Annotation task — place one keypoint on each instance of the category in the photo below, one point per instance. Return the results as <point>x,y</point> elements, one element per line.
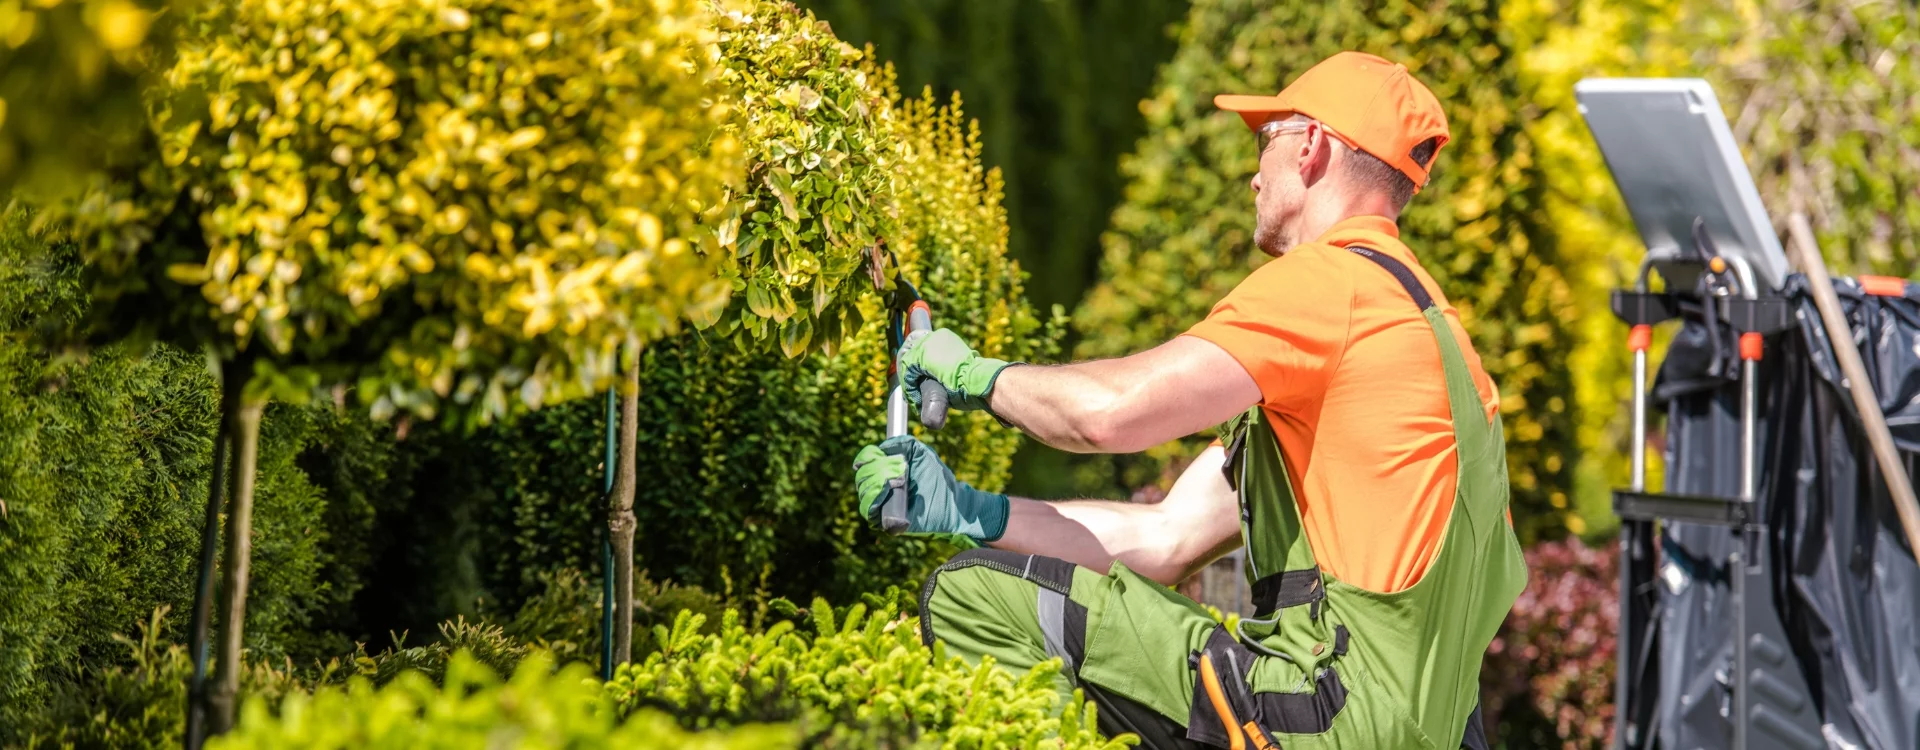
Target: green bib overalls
<point>1321,664</point>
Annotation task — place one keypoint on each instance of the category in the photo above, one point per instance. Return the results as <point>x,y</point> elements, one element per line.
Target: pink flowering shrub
<point>1548,677</point>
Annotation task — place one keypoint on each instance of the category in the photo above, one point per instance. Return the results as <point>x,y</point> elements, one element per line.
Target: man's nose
<point>1255,182</point>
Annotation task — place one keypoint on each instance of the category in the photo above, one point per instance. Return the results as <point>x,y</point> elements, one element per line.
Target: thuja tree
<point>1184,236</point>
<point>464,208</point>
<point>102,460</point>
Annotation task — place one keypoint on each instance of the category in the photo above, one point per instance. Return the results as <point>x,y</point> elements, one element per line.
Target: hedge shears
<point>907,313</point>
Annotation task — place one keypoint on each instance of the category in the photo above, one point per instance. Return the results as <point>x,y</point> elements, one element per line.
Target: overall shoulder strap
<point>1462,397</point>
<point>1482,458</point>
<point>1421,299</point>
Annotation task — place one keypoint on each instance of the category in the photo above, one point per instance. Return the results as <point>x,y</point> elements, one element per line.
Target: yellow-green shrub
<point>819,189</point>
<point>464,205</point>
<point>856,680</point>
<point>536,707</point>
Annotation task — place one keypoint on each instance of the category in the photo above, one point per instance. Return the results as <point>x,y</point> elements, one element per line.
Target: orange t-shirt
<point>1351,377</point>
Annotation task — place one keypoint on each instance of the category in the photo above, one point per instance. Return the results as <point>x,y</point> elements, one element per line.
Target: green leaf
<point>761,300</point>
<point>779,180</point>
<point>795,334</point>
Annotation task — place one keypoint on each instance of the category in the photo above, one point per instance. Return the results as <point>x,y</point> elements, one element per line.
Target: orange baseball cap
<point>1369,103</point>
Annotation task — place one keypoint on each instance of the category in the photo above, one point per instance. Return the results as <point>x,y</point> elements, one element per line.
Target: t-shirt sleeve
<point>1287,324</point>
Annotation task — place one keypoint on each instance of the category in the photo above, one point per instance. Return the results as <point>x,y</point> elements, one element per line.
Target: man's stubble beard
<point>1270,233</point>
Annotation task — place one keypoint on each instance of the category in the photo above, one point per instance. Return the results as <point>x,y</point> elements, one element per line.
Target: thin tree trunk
<point>245,433</point>
<point>196,733</point>
<point>620,520</point>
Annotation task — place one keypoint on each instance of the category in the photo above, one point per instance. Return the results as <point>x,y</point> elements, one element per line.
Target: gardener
<point>1361,447</point>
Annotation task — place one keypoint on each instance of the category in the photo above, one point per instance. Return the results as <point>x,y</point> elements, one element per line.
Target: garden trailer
<point>1768,594</point>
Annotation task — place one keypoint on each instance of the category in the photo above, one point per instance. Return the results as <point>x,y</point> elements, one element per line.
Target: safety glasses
<point>1274,129</point>
<point>1266,133</point>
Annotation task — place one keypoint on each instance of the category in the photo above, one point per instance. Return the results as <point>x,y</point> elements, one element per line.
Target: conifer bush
<point>103,462</point>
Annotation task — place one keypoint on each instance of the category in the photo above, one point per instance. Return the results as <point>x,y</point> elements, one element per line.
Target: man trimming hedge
<point>1361,464</point>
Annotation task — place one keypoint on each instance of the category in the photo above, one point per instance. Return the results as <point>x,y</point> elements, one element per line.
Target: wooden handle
<point>1864,401</point>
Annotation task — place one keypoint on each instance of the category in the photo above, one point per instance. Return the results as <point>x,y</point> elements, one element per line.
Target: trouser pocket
<point>1228,712</point>
<point>1138,640</point>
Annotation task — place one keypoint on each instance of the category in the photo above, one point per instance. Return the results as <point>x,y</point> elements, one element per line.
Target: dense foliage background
<point>370,530</point>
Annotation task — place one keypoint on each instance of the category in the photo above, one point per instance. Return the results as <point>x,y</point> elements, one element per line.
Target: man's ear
<point>1316,155</point>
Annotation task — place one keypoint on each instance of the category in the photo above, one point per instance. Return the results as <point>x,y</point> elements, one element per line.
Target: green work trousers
<point>1127,642</point>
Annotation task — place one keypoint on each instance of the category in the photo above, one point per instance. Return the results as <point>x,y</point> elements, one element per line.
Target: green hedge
<point>1184,236</point>
<point>103,472</point>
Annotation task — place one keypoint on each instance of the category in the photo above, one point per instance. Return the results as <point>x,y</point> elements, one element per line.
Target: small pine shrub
<point>482,641</point>
<point>854,681</point>
<point>536,707</point>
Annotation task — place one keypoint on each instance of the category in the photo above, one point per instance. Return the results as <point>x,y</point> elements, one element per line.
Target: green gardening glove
<point>941,355</point>
<point>937,504</point>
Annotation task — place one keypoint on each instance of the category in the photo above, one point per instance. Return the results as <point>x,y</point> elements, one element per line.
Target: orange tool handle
<point>1236,739</point>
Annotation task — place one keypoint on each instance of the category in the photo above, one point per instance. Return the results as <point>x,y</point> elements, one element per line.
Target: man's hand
<point>941,355</point>
<point>936,502</point>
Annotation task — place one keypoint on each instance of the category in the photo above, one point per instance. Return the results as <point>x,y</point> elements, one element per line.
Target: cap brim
<point>1254,110</point>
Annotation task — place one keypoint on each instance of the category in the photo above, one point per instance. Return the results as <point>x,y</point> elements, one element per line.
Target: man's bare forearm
<point>1063,406</point>
<point>1128,404</point>
<point>1166,541</point>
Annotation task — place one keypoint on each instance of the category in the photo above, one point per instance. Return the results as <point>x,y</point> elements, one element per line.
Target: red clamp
<point>1639,338</point>
<point>1750,346</point>
<point>1884,286</point>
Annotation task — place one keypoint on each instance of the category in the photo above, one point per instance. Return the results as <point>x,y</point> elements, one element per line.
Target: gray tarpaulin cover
<point>1834,604</point>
